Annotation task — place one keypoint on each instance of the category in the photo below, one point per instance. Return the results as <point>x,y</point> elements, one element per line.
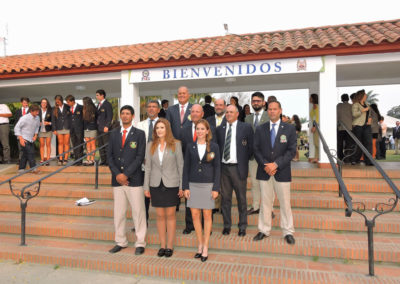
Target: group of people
<point>366,123</point>
<point>70,122</point>
<point>203,160</point>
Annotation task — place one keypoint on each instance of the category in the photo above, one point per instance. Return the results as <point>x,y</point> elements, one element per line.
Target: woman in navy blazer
<point>45,130</point>
<point>201,181</point>
<point>61,125</point>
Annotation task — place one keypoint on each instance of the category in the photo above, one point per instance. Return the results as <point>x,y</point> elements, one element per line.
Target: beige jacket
<point>170,172</point>
<point>359,116</point>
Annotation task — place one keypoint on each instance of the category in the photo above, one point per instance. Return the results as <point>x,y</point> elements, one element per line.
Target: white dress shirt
<point>276,126</point>
<point>201,148</point>
<point>184,108</point>
<point>4,110</point>
<point>43,127</point>
<point>233,154</point>
<point>161,153</point>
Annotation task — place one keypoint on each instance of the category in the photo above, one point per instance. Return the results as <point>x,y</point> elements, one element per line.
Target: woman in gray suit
<point>163,181</point>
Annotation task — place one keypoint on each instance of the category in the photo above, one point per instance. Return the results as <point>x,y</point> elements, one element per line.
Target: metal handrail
<point>360,209</point>
<point>24,195</point>
<point>342,187</point>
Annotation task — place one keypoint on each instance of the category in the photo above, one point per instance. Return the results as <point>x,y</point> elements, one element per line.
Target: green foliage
<point>394,112</point>
<point>371,98</point>
<point>56,267</point>
<point>315,258</point>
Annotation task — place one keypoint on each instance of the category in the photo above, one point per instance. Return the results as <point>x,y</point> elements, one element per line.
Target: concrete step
<point>308,243</point>
<point>221,267</point>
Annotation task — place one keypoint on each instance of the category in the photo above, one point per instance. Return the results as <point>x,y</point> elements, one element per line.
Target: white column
<point>327,105</point>
<point>130,95</point>
<point>169,97</point>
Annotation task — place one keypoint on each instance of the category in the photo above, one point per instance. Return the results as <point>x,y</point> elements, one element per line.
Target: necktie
<point>227,146</point>
<point>98,107</point>
<point>256,120</point>
<point>150,135</point>
<point>23,111</point>
<point>273,135</point>
<point>194,136</point>
<point>219,120</point>
<point>72,110</point>
<point>124,138</point>
<point>182,113</point>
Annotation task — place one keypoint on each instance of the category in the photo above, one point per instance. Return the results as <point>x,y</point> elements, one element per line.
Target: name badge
<point>283,139</point>
<point>133,145</point>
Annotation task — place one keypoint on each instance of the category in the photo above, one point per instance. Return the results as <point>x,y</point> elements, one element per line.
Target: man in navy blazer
<point>126,151</point>
<point>76,132</point>
<point>219,117</point>
<point>104,119</point>
<point>274,148</point>
<point>235,140</point>
<point>179,115</point>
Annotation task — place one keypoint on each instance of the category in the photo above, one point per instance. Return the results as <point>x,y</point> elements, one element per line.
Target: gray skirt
<point>45,134</point>
<point>200,196</point>
<point>90,133</point>
<point>63,131</point>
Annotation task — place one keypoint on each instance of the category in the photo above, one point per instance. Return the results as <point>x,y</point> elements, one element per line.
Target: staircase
<point>330,248</point>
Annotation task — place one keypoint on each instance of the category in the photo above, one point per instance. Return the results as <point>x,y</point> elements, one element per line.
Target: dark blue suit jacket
<point>244,145</point>
<point>127,160</point>
<point>174,118</point>
<point>282,154</point>
<point>104,116</point>
<point>202,171</point>
<point>186,136</point>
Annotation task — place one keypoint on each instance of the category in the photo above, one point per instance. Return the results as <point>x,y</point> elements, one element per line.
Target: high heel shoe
<point>204,258</point>
<point>198,254</point>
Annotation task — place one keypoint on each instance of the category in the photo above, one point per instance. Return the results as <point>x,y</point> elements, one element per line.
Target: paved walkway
<point>30,273</point>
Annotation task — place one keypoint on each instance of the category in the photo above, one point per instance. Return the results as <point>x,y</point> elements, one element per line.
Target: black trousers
<point>382,148</point>
<point>344,143</point>
<point>28,155</point>
<point>230,181</point>
<point>100,142</point>
<point>364,134</point>
<point>76,139</point>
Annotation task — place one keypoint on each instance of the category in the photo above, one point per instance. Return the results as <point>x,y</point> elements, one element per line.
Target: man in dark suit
<point>164,108</point>
<point>126,151</point>
<point>76,132</point>
<point>257,118</point>
<point>219,117</point>
<point>274,147</point>
<point>396,136</point>
<point>235,140</point>
<point>207,108</point>
<point>104,119</point>
<point>23,110</point>
<point>178,115</point>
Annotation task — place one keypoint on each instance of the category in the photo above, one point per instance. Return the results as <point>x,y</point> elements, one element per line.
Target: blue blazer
<point>174,118</point>
<point>282,153</point>
<point>127,160</point>
<point>186,136</point>
<point>202,171</point>
<point>244,145</point>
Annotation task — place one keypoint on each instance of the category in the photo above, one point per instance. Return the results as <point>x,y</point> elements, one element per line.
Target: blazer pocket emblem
<point>102,110</point>
<point>78,112</point>
<point>48,115</point>
<point>283,139</point>
<point>189,117</point>
<point>133,145</point>
<point>211,155</point>
<point>244,142</point>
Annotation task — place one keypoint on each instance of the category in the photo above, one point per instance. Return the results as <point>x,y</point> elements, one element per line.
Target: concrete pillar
<point>130,95</point>
<point>327,105</point>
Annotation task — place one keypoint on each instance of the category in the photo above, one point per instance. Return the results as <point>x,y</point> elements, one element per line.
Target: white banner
<point>225,70</point>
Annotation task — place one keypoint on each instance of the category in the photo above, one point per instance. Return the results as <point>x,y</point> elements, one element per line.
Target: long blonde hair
<point>169,137</point>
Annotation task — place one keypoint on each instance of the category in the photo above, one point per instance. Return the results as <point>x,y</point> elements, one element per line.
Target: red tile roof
<point>359,38</point>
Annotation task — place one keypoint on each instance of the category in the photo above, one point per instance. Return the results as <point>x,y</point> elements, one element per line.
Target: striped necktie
<point>227,147</point>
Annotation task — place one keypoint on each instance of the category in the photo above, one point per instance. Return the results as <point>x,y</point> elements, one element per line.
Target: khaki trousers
<point>282,190</point>
<point>396,146</point>
<point>135,196</point>
<point>255,185</point>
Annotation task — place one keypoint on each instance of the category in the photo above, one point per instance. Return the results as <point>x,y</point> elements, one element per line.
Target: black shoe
<point>242,233</point>
<point>204,258</point>
<point>289,239</point>
<point>197,255</point>
<point>116,249</point>
<point>187,231</point>
<point>78,164</point>
<point>161,252</point>
<point>139,250</point>
<point>226,231</point>
<point>272,215</point>
<point>215,210</point>
<point>103,164</point>
<point>259,236</point>
<point>169,252</point>
<point>251,211</point>
<point>133,229</point>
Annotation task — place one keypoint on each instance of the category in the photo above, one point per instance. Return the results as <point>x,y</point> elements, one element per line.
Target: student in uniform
<point>89,129</point>
<point>61,125</point>
<point>45,130</point>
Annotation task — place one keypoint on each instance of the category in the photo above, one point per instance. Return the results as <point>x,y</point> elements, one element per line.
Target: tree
<point>394,112</point>
<point>303,119</point>
<point>371,98</point>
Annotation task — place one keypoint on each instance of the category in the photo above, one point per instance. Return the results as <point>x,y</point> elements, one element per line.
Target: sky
<point>45,26</point>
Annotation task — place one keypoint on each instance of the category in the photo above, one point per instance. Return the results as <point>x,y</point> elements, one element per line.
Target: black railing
<point>361,207</point>
<point>342,187</point>
<point>32,190</point>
